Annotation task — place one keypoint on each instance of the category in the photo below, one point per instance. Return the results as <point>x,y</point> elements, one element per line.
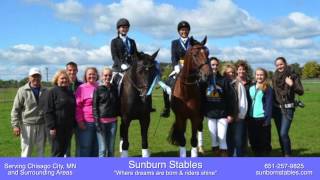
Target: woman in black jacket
<point>220,105</point>
<point>60,114</point>
<point>286,84</point>
<point>122,47</point>
<point>105,111</point>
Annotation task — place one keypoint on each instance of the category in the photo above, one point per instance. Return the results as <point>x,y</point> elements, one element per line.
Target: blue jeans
<point>88,141</point>
<point>236,138</point>
<point>283,119</point>
<point>106,139</point>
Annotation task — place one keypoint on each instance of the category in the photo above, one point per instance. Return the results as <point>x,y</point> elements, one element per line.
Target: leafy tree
<point>165,71</point>
<point>296,68</point>
<point>311,70</point>
<point>23,81</point>
<point>270,74</point>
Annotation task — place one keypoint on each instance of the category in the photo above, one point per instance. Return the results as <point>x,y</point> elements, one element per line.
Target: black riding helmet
<point>123,22</point>
<point>183,24</point>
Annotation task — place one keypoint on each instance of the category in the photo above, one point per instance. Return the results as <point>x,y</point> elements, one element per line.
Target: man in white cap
<point>27,118</point>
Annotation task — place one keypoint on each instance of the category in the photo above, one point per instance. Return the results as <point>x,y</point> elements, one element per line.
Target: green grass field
<point>304,131</point>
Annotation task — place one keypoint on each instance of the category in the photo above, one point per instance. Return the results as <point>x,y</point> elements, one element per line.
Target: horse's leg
<point>121,135</point>
<point>182,123</point>
<point>195,122</point>
<point>125,144</point>
<point>144,126</point>
<point>200,137</point>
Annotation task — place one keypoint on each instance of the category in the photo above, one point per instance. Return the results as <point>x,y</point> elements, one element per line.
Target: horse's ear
<point>192,41</point>
<point>154,55</point>
<point>139,55</point>
<point>204,41</point>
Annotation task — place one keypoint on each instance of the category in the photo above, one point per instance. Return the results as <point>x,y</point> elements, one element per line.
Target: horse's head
<point>145,71</point>
<point>197,59</point>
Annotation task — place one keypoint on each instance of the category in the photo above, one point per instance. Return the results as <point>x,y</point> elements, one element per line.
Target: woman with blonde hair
<point>260,104</point>
<point>236,128</point>
<point>105,111</point>
<point>60,113</point>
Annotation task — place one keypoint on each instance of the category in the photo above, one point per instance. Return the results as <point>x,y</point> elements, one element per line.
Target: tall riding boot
<point>150,104</point>
<point>166,111</point>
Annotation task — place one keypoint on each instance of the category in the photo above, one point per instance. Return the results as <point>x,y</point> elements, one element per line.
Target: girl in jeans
<point>105,110</point>
<point>285,83</point>
<point>260,112</point>
<point>84,116</point>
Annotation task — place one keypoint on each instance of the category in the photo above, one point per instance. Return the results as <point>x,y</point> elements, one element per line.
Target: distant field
<point>304,131</point>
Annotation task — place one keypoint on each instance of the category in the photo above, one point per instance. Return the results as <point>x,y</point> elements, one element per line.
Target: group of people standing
<point>70,107</point>
<point>236,107</point>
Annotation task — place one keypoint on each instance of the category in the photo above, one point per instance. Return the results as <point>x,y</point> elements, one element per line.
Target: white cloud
<point>221,18</point>
<point>21,57</point>
<point>215,18</point>
<point>254,55</point>
<point>293,43</point>
<point>69,10</point>
<point>265,56</point>
<point>24,54</point>
<point>296,24</point>
<point>24,47</point>
<point>210,18</point>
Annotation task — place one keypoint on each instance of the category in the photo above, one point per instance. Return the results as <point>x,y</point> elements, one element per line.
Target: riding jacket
<point>178,50</point>
<point>122,51</point>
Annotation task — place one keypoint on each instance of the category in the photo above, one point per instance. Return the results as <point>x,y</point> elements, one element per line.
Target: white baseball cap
<point>34,71</point>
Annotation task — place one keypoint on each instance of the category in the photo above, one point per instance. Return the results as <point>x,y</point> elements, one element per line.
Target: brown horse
<point>186,96</point>
<point>135,104</point>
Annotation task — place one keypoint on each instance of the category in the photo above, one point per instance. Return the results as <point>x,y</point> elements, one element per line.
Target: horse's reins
<point>140,89</point>
<point>195,74</point>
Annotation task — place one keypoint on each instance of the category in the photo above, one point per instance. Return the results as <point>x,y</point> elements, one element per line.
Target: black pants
<point>61,141</point>
<point>259,137</point>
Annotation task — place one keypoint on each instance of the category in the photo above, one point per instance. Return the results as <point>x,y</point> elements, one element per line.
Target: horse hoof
<point>124,154</point>
<point>145,153</point>
<point>183,152</point>
<point>194,152</point>
<point>201,150</point>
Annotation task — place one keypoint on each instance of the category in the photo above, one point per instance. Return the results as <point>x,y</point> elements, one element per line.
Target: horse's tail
<point>173,137</point>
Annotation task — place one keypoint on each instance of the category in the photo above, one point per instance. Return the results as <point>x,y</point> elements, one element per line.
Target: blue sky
<point>49,33</point>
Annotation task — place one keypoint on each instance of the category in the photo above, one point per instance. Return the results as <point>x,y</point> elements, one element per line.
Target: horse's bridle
<point>144,88</point>
<point>199,66</point>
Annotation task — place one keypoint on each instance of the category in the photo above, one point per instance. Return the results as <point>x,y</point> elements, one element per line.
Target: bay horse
<point>186,96</point>
<point>134,102</point>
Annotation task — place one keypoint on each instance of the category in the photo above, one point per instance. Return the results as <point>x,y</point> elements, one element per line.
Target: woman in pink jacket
<point>84,115</point>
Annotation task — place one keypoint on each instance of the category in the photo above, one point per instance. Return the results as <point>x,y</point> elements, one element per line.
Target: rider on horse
<point>123,50</point>
<point>179,48</point>
<point>122,47</point>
